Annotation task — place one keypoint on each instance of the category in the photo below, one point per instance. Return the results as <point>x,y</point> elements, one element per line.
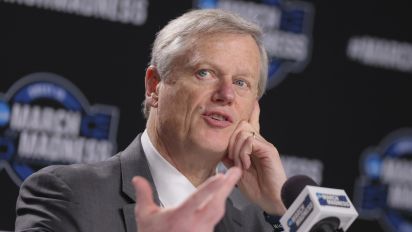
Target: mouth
<point>218,119</point>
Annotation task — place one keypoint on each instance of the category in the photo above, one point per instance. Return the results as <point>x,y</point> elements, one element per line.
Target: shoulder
<point>68,179</point>
<point>73,172</point>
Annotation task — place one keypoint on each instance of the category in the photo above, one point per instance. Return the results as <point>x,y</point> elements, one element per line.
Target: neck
<point>195,165</point>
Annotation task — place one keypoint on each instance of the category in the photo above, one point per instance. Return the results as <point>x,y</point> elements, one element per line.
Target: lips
<point>217,119</point>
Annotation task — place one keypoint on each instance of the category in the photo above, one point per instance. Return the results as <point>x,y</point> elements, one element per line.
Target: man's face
<point>209,91</point>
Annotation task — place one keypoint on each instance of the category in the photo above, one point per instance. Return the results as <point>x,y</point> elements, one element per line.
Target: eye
<point>241,83</point>
<point>203,74</point>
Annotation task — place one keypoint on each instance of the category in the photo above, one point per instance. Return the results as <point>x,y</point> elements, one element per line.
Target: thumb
<point>144,197</point>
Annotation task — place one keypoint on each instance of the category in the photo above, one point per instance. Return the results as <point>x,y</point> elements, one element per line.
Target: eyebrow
<point>194,63</point>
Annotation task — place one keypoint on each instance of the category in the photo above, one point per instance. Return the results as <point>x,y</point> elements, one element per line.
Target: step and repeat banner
<point>338,105</point>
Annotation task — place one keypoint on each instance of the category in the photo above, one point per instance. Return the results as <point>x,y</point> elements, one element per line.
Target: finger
<point>232,176</point>
<point>212,185</point>
<point>232,141</point>
<point>228,162</point>
<point>204,191</point>
<point>215,208</point>
<point>241,138</point>
<point>246,152</point>
<point>254,117</point>
<point>144,197</point>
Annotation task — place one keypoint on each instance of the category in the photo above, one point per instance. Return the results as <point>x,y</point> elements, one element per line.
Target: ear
<point>152,83</point>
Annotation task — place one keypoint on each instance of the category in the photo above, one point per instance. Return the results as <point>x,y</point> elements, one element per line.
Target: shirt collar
<point>171,185</point>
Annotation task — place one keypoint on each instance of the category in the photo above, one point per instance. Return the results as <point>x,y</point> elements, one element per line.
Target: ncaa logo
<point>44,119</point>
<point>287,28</point>
<point>384,190</point>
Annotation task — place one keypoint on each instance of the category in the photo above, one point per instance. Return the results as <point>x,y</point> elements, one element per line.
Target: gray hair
<point>176,37</point>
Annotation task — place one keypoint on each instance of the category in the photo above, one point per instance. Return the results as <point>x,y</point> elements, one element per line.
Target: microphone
<point>315,209</point>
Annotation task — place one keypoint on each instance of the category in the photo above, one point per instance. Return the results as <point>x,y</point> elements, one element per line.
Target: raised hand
<point>200,212</point>
<point>263,173</point>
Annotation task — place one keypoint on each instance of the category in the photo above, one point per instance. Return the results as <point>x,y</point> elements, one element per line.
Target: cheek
<point>171,102</point>
<point>179,104</point>
<point>245,109</point>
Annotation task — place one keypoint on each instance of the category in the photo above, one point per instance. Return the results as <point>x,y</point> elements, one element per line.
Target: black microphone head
<point>292,188</point>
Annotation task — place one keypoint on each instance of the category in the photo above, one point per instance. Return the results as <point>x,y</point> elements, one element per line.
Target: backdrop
<point>338,107</point>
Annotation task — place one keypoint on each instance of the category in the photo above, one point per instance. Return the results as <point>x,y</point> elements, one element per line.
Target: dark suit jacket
<point>100,197</point>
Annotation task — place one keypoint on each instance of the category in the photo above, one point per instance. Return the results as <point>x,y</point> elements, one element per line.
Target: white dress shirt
<point>172,186</point>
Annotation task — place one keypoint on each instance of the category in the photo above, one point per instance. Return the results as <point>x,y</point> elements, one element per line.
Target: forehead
<point>226,50</point>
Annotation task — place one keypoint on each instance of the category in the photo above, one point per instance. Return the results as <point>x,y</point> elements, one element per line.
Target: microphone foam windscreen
<point>292,188</point>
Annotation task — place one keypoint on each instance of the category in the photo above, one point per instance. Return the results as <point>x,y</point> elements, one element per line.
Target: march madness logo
<point>287,27</point>
<point>44,120</point>
<point>384,190</point>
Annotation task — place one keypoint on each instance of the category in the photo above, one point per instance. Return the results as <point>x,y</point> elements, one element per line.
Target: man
<point>207,72</point>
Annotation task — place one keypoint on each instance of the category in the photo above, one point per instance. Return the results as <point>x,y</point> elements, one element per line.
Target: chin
<point>214,145</point>
<point>211,140</point>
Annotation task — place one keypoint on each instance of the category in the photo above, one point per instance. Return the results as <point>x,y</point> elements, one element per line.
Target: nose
<point>225,93</point>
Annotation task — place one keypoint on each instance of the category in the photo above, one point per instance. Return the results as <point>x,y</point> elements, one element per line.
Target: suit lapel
<point>133,162</point>
<point>128,214</point>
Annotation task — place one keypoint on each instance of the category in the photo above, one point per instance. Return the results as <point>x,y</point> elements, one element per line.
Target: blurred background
<point>338,105</point>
